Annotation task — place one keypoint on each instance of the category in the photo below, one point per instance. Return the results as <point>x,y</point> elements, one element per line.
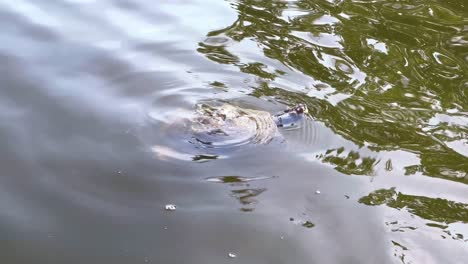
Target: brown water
<point>96,97</point>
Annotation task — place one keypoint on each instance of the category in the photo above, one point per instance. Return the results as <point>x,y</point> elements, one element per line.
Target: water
<point>93,98</point>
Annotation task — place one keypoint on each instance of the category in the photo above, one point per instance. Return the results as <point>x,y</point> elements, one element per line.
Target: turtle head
<point>301,109</point>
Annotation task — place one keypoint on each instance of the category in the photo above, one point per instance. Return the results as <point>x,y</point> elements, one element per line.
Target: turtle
<point>226,125</point>
<point>214,129</point>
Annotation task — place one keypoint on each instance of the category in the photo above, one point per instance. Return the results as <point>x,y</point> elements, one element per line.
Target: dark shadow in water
<point>247,196</point>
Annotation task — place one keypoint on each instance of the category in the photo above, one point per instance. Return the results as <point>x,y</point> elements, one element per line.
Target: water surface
<point>94,101</point>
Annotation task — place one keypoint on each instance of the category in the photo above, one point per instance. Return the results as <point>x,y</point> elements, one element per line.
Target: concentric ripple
<point>208,130</point>
<point>220,125</point>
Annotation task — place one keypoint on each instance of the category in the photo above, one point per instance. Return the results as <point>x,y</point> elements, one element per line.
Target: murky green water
<point>98,100</point>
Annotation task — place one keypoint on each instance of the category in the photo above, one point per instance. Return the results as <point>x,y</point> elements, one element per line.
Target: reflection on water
<point>444,215</point>
<point>247,197</point>
<point>350,162</point>
<point>395,67</point>
<point>236,179</point>
<point>243,192</point>
<point>434,209</point>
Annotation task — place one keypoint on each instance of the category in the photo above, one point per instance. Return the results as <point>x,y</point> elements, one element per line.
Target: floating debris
<point>204,158</point>
<point>347,196</point>
<point>308,224</point>
<point>170,207</point>
<point>237,179</point>
<point>232,255</point>
<point>317,192</point>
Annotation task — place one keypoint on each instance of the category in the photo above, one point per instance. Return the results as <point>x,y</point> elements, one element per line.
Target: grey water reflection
<point>242,190</point>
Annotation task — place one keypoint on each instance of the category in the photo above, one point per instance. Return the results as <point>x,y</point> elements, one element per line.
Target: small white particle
<point>232,255</point>
<point>170,207</point>
<point>431,12</point>
<point>317,192</point>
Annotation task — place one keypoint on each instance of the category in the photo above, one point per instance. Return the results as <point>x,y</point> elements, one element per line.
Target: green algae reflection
<point>434,209</point>
<point>388,75</point>
<point>350,163</point>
